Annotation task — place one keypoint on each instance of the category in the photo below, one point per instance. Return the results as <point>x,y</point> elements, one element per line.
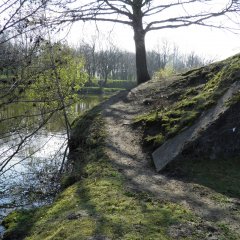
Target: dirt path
<point>124,149</point>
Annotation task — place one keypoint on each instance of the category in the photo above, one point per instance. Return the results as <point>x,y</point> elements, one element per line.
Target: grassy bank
<point>99,90</point>
<point>221,174</point>
<point>96,203</point>
<point>125,84</point>
<point>112,86</point>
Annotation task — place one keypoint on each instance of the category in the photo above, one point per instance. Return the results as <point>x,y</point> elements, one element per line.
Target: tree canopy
<point>141,15</point>
<point>148,15</point>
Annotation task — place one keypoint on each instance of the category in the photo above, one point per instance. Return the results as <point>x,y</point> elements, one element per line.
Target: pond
<point>30,177</point>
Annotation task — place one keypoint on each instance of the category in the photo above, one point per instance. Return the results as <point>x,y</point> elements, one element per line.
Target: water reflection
<point>29,179</point>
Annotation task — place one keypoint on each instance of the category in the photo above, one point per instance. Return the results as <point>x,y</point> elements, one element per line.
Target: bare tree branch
<point>148,15</point>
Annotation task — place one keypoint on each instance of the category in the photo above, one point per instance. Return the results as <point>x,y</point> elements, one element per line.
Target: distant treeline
<point>103,64</point>
<point>114,63</point>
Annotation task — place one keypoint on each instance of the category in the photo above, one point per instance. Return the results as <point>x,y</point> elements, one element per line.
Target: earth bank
<point>111,189</point>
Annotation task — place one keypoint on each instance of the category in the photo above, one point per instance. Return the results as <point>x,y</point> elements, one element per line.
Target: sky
<point>214,44</point>
<point>206,42</point>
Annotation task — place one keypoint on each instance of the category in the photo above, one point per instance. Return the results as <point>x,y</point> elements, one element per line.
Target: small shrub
<point>164,73</point>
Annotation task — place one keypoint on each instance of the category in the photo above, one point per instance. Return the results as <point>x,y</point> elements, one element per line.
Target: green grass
<point>220,174</point>
<point>3,76</point>
<point>108,209</point>
<point>120,84</point>
<point>95,193</point>
<point>95,200</point>
<point>235,99</point>
<point>124,84</point>
<point>99,90</point>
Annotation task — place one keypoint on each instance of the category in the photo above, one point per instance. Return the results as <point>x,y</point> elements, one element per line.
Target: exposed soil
<point>124,148</point>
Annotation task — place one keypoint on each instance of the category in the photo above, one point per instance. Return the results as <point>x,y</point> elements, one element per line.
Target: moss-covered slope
<point>99,206</point>
<point>188,97</point>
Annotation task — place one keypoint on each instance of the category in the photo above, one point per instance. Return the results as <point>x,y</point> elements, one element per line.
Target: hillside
<point>112,190</point>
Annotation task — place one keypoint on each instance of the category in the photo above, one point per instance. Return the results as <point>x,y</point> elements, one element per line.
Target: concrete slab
<point>172,148</point>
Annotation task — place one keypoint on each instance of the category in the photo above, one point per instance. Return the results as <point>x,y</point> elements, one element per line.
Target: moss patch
<point>222,175</point>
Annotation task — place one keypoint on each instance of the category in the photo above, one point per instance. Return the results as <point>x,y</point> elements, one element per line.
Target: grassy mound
<point>187,98</point>
<point>194,92</point>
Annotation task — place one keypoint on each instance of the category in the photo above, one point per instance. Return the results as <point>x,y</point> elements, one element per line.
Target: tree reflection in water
<point>31,178</point>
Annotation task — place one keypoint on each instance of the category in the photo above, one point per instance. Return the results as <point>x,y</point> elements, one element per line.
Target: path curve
<point>125,151</point>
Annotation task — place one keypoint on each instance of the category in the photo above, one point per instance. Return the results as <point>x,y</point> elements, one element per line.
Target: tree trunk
<point>105,79</point>
<point>141,58</point>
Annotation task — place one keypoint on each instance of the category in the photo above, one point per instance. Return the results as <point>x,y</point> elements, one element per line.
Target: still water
<point>30,177</point>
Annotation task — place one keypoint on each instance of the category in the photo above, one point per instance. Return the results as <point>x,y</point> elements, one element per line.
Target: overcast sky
<point>212,43</point>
